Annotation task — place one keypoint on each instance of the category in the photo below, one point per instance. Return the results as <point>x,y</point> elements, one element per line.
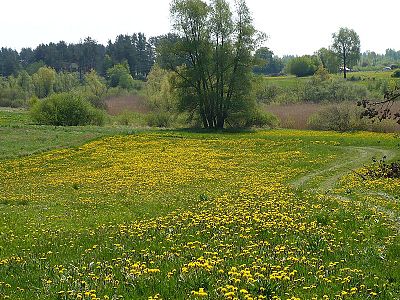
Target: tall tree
<point>217,47</point>
<point>346,44</point>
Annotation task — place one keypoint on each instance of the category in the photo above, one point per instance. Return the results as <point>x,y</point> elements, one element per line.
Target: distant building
<point>347,69</point>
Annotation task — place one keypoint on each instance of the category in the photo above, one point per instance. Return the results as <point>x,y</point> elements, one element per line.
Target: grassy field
<point>363,78</point>
<point>109,213</point>
<point>19,137</point>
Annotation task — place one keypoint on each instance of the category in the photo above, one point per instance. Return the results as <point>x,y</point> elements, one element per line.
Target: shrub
<point>396,74</point>
<point>256,118</point>
<point>333,90</point>
<point>382,169</point>
<point>337,117</point>
<point>160,119</point>
<point>267,93</point>
<point>302,66</point>
<point>66,109</point>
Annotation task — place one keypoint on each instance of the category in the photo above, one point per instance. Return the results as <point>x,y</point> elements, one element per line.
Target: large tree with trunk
<point>214,46</point>
<point>346,44</point>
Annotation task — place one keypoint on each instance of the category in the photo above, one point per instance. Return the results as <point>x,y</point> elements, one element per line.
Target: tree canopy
<point>266,62</point>
<point>346,44</point>
<point>215,45</point>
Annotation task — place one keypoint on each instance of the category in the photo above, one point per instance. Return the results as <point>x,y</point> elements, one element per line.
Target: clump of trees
<point>211,55</point>
<point>267,63</point>
<point>303,66</point>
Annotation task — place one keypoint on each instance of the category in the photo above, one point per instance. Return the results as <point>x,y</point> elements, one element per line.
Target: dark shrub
<point>396,74</point>
<point>256,118</point>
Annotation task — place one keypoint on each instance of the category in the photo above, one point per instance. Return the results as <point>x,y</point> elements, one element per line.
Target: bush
<point>160,119</point>
<point>396,74</point>
<point>333,90</point>
<point>268,93</point>
<point>256,118</point>
<point>382,169</point>
<point>337,117</point>
<point>302,66</point>
<point>66,109</point>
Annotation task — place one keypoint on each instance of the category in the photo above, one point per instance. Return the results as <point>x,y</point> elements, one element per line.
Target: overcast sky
<point>293,26</point>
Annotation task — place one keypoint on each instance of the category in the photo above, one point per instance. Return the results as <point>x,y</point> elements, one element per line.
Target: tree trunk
<point>344,65</point>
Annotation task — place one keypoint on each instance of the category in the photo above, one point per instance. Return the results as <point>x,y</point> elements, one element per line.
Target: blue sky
<point>293,26</point>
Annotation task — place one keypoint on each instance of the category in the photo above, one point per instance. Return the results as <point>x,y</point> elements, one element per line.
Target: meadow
<point>360,77</point>
<point>112,213</point>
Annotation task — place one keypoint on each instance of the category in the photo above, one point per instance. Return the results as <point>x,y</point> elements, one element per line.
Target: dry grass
<point>295,116</point>
<point>131,103</point>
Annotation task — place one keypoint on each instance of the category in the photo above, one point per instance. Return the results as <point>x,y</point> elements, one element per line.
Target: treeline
<point>87,55</point>
<point>140,53</point>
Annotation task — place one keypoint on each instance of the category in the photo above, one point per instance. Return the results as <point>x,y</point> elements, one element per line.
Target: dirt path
<point>325,180</point>
<point>328,177</point>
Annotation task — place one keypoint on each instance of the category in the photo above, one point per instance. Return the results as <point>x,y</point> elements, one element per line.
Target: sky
<point>293,26</point>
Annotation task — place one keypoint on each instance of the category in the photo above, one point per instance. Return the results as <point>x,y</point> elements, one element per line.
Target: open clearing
<point>180,215</point>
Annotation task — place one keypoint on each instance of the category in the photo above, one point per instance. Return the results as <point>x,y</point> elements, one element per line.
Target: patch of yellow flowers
<point>249,237</point>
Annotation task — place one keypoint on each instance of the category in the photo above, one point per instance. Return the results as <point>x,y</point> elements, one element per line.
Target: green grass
<point>366,78</point>
<point>19,137</point>
<point>188,215</point>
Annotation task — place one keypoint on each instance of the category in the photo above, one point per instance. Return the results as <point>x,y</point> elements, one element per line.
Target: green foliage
<point>14,91</point>
<point>396,74</point>
<point>119,76</point>
<point>214,81</point>
<point>264,91</point>
<point>66,109</point>
<point>337,117</point>
<point>256,118</point>
<point>302,66</point>
<point>44,80</point>
<point>316,90</point>
<point>133,49</point>
<point>34,67</point>
<point>129,118</point>
<point>161,119</point>
<point>346,44</point>
<point>267,62</point>
<point>95,89</point>
<point>329,59</point>
<point>159,90</point>
<point>66,82</point>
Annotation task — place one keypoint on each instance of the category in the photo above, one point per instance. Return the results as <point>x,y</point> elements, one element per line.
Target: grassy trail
<point>325,180</point>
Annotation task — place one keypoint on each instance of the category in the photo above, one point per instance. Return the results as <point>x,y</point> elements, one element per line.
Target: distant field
<point>183,215</point>
<point>364,78</point>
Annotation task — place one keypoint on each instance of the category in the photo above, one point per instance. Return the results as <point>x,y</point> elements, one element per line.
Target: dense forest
<point>82,57</point>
